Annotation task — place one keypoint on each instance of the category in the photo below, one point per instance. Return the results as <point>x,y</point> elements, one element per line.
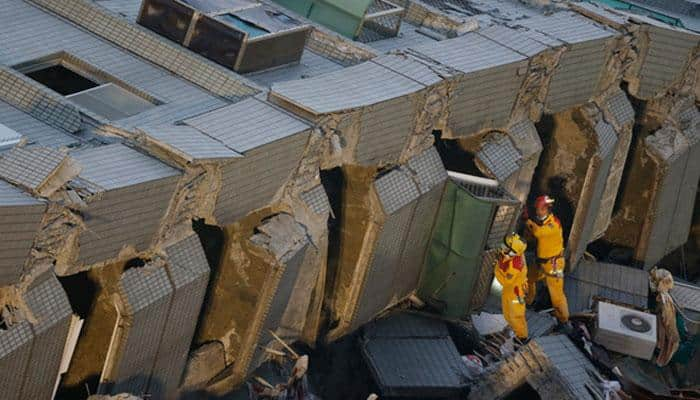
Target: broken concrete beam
<point>386,223</point>
<point>574,170</point>
<point>592,281</point>
<point>95,303</point>
<point>203,364</point>
<point>32,348</point>
<point>593,191</point>
<point>676,159</point>
<point>256,285</point>
<point>551,365</point>
<point>498,157</point>
<point>136,191</point>
<point>658,200</point>
<point>618,112</point>
<point>20,217</point>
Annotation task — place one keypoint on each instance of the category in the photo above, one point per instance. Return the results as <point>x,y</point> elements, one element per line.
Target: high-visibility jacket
<point>550,263</point>
<point>549,236</point>
<point>511,273</point>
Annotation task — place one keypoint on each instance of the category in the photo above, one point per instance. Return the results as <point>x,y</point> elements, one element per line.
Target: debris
<point>122,396</point>
<point>661,282</point>
<point>203,364</point>
<point>285,345</point>
<point>486,323</point>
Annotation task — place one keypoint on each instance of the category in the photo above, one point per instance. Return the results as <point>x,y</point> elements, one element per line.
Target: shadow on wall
<point>212,239</point>
<point>563,207</point>
<point>554,186</point>
<point>82,294</point>
<point>78,392</point>
<point>333,181</point>
<point>455,157</point>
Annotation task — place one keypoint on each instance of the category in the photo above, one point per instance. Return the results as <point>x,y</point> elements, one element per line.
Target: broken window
<point>61,79</point>
<point>93,91</point>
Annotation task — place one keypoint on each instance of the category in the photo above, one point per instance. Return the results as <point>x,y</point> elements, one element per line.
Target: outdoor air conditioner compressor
<point>626,331</point>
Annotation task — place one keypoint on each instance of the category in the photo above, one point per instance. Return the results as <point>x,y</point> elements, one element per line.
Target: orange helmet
<point>543,201</point>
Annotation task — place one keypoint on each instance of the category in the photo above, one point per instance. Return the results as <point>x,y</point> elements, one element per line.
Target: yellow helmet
<point>514,244</point>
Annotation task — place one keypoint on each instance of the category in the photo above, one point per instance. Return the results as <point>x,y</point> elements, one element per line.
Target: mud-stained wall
<point>359,227</point>
<point>93,344</point>
<point>267,280</point>
<point>574,170</point>
<point>635,193</point>
<point>565,160</point>
<point>656,202</point>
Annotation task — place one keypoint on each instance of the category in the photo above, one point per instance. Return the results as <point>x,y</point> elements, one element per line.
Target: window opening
<point>98,94</point>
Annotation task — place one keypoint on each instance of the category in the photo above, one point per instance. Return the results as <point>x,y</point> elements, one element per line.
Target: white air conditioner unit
<point>626,331</point>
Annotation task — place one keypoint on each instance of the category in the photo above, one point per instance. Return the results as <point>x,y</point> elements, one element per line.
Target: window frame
<point>82,68</point>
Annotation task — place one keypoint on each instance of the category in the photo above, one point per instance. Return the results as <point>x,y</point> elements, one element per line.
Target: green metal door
<point>453,261</point>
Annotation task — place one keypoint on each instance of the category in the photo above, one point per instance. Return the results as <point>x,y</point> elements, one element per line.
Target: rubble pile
<point>198,197</point>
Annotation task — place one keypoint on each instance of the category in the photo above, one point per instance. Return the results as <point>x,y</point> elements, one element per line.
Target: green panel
<point>454,257</point>
<point>342,16</point>
<point>354,8</point>
<point>335,18</point>
<point>301,7</point>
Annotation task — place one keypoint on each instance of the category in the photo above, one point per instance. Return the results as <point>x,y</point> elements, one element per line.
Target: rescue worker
<point>546,230</point>
<point>511,273</point>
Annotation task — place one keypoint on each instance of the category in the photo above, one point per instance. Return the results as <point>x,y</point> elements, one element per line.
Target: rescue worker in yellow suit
<point>546,230</point>
<point>511,273</point>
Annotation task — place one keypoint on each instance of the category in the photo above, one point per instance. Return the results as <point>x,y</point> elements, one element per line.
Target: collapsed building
<point>208,180</point>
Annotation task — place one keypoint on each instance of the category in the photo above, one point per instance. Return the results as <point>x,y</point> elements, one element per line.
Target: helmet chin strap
<point>542,218</point>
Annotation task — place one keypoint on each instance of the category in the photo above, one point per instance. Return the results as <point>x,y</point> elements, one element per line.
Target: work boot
<point>566,327</point>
